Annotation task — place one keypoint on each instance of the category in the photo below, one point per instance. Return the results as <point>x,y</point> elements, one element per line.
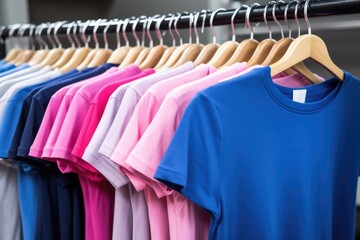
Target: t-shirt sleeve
<point>192,162</point>
<point>148,152</point>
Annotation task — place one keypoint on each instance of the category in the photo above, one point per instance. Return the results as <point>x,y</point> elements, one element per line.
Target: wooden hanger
<point>304,47</point>
<point>134,52</point>
<point>16,51</point>
<point>178,52</point>
<point>80,54</point>
<point>56,52</point>
<point>282,46</point>
<point>120,53</point>
<point>69,52</point>
<point>192,50</point>
<point>265,46</point>
<point>225,51</point>
<point>247,47</point>
<point>170,50</point>
<point>40,54</point>
<point>25,55</point>
<point>102,54</point>
<point>155,53</point>
<point>209,49</point>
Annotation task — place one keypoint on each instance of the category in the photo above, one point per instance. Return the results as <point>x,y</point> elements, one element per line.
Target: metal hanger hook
<point>247,18</point>
<point>275,19</point>
<point>42,26</point>
<point>119,22</point>
<point>149,22</point>
<point>172,17</point>
<point>68,31</point>
<point>76,25</point>
<point>83,33</point>
<point>213,14</point>
<point>196,18</point>
<point>106,44</point>
<point>265,18</point>
<point>56,29</point>
<point>97,24</point>
<point>176,29</point>
<point>232,23</point>
<point>134,25</point>
<point>307,2</point>
<point>48,32</point>
<point>191,21</point>
<point>286,15</point>
<point>157,29</point>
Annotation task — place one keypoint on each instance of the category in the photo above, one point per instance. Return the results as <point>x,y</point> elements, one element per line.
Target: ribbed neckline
<point>280,94</point>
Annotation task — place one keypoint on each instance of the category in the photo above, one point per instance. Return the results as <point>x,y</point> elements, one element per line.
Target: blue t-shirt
<point>40,101</point>
<point>6,67</point>
<point>265,166</point>
<point>14,117</point>
<point>14,70</point>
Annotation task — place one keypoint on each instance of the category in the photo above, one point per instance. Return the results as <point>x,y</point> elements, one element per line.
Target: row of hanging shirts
<point>160,56</point>
<point>124,121</point>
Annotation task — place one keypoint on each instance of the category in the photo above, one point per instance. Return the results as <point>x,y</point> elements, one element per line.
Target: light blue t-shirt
<point>265,166</point>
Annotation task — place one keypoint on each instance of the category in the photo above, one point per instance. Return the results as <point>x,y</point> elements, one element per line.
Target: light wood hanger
<point>40,54</point>
<point>134,52</point>
<point>225,51</point>
<point>102,54</point>
<point>305,47</point>
<point>209,49</point>
<point>55,53</point>
<point>192,50</point>
<point>120,53</point>
<point>80,53</point>
<point>155,53</point>
<point>170,50</point>
<point>26,55</point>
<point>247,47</point>
<point>178,52</point>
<point>265,46</point>
<point>14,52</point>
<point>282,46</point>
<point>69,52</point>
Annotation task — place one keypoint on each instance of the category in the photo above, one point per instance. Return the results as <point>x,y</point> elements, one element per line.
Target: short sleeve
<point>192,163</point>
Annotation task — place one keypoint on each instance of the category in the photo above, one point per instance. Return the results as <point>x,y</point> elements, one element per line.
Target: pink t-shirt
<point>96,110</point>
<point>53,117</point>
<point>130,213</point>
<point>118,124</point>
<point>143,114</point>
<point>75,117</point>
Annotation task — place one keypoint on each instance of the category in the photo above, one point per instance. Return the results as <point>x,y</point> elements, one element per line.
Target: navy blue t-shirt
<point>265,166</point>
<point>13,120</point>
<point>40,101</point>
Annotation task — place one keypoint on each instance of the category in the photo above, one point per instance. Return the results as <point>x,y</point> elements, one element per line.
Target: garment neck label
<point>299,95</point>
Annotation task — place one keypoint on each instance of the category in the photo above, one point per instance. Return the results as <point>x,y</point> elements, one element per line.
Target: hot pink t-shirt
<point>96,110</point>
<point>53,117</point>
<point>75,117</point>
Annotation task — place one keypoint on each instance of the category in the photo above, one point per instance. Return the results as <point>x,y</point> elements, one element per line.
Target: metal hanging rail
<point>316,8</point>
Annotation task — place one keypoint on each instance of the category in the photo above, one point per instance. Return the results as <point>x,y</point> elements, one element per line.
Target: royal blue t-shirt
<point>6,67</point>
<point>14,70</point>
<point>40,101</point>
<point>265,166</point>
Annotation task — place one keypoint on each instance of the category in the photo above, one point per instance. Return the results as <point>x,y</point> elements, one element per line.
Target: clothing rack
<point>317,8</point>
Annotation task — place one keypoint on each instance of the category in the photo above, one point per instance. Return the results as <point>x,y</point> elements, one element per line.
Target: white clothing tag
<point>299,95</point>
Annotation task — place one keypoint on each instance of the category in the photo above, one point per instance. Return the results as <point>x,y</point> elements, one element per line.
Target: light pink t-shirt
<point>143,114</point>
<point>53,117</point>
<point>131,98</point>
<point>74,119</point>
